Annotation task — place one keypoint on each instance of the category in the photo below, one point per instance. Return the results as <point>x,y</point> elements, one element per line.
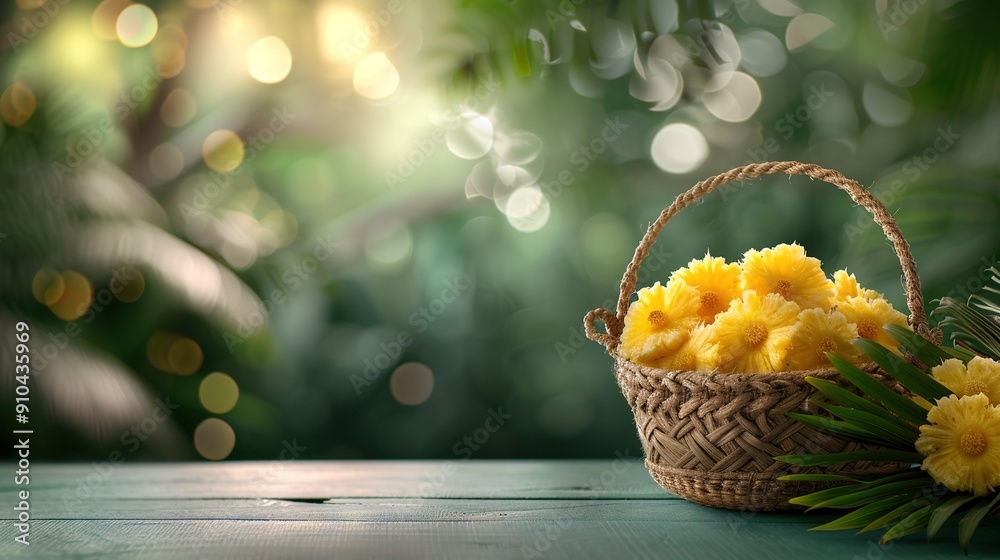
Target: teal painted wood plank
<point>611,478</point>
<point>558,539</point>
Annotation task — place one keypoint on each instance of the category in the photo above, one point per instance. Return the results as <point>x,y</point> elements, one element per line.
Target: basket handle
<point>614,322</point>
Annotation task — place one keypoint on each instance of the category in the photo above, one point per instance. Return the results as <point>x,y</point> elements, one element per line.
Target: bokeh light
<point>184,356</point>
<point>375,77</point>
<point>158,346</point>
<point>411,383</point>
<point>339,29</point>
<point>47,286</point>
<point>804,28</point>
<point>269,61</point>
<point>679,148</point>
<point>127,284</point>
<point>166,161</point>
<point>732,97</point>
<point>136,25</point>
<point>214,439</point>
<point>104,20</point>
<point>178,108</point>
<point>527,209</point>
<point>223,151</point>
<point>17,104</point>
<point>218,393</point>
<point>472,138</point>
<point>76,297</point>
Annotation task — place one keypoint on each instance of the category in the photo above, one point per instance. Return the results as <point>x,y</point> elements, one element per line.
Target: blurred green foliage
<point>911,112</point>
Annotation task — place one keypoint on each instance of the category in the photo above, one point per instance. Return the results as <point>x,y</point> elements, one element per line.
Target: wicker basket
<point>710,437</point>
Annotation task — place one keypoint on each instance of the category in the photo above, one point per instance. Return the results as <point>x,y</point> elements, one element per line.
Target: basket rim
<point>737,378</point>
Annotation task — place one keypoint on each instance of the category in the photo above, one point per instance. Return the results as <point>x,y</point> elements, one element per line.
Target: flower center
<point>824,346</point>
<point>867,329</point>
<point>657,319</point>
<point>710,301</point>
<point>973,443</point>
<point>975,387</point>
<point>755,334</point>
<point>784,287</point>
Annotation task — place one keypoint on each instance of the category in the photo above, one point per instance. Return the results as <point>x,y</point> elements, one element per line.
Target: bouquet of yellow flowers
<point>775,310</point>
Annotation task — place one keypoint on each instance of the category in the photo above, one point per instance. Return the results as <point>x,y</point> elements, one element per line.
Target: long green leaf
<point>818,477</point>
<point>894,515</point>
<point>863,515</point>
<point>904,407</point>
<point>830,459</point>
<point>925,351</point>
<point>968,525</point>
<point>911,524</point>
<point>943,513</point>
<point>972,326</point>
<point>911,377</point>
<point>843,397</point>
<point>870,495</point>
<point>960,353</point>
<point>903,438</point>
<point>827,494</point>
<point>838,428</point>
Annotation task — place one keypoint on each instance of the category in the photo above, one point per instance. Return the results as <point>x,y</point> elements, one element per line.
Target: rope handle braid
<point>615,321</point>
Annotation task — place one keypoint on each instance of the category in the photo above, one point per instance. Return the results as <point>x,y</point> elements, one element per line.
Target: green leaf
<point>863,515</point>
<point>926,351</point>
<point>830,459</point>
<point>960,353</point>
<point>843,397</point>
<point>894,515</point>
<point>971,325</point>
<point>904,407</point>
<point>838,491</point>
<point>837,428</point>
<point>943,513</point>
<point>871,494</point>
<point>818,477</point>
<point>968,525</point>
<point>912,378</point>
<point>903,438</point>
<point>911,524</point>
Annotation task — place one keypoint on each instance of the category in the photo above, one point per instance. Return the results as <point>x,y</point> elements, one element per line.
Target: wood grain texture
<point>481,509</point>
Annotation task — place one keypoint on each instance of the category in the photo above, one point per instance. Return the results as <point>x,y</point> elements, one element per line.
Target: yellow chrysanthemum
<point>755,333</point>
<point>659,322</point>
<point>961,444</point>
<point>786,270</point>
<point>819,332</point>
<point>700,352</point>
<point>846,286</point>
<point>981,376</point>
<point>717,282</point>
<point>870,315</point>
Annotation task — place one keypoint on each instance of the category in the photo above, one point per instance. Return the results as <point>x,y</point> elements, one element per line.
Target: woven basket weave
<point>711,437</point>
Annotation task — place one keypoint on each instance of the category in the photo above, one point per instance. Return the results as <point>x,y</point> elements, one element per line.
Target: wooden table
<point>411,509</point>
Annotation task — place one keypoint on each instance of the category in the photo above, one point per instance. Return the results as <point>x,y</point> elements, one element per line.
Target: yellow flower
<point>786,270</point>
<point>820,332</point>
<point>981,376</point>
<point>717,282</point>
<point>870,316</point>
<point>700,352</point>
<point>659,322</point>
<point>961,444</point>
<point>846,286</point>
<point>755,333</point>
